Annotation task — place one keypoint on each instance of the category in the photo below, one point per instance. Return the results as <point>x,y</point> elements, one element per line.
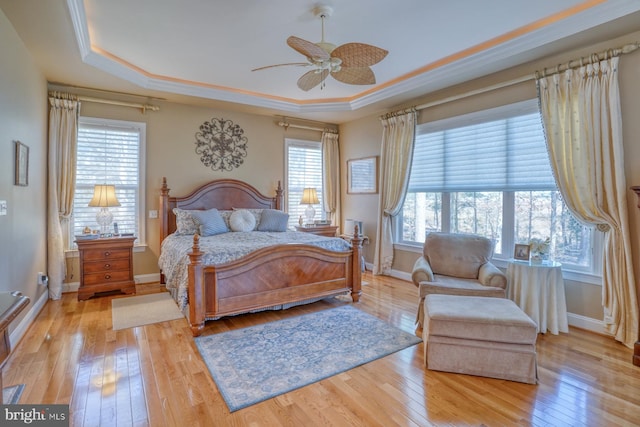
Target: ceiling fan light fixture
<point>348,63</point>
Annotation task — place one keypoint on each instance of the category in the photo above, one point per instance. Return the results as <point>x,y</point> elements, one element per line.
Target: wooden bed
<point>268,277</point>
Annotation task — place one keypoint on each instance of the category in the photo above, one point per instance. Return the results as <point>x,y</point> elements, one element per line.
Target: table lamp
<point>104,197</point>
<point>309,198</point>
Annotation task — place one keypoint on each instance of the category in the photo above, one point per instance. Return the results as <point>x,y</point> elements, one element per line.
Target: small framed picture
<point>521,252</point>
<point>362,175</point>
<point>22,164</point>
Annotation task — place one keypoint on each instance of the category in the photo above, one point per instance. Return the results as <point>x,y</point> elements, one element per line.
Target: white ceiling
<point>203,51</point>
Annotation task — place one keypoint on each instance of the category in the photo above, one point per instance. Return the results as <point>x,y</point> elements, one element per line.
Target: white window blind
<point>506,154</point>
<point>109,152</point>
<point>304,169</point>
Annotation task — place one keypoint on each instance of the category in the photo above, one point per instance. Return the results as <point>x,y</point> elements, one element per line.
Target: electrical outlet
<point>42,279</point>
<point>153,214</point>
<point>3,207</point>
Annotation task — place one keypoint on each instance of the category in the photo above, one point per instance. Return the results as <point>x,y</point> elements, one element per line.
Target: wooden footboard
<point>269,277</point>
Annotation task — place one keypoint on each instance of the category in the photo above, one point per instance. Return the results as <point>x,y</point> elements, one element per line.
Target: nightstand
<point>320,230</point>
<point>106,264</point>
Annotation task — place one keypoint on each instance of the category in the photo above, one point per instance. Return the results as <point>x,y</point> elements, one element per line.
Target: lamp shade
<point>309,197</point>
<point>104,196</point>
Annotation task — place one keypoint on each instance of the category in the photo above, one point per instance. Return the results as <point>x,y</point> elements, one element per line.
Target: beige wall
<point>23,117</point>
<point>170,153</point>
<point>363,137</point>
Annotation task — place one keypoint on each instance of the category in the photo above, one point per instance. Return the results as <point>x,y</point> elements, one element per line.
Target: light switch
<point>153,214</point>
<point>3,207</point>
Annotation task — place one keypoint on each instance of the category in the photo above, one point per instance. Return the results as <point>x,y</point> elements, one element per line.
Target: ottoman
<point>484,336</point>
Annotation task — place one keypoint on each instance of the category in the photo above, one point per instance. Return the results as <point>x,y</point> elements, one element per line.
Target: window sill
<point>576,276</point>
<point>73,253</point>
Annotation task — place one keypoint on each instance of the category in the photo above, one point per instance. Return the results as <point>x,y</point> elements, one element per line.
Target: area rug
<point>260,362</point>
<point>11,395</point>
<point>143,310</point>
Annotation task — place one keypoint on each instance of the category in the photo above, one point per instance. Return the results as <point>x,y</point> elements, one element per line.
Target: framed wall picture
<point>521,252</point>
<point>22,164</point>
<point>362,175</point>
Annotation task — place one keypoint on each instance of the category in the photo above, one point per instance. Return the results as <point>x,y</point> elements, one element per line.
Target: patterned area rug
<point>257,363</point>
<point>141,310</point>
<point>11,395</point>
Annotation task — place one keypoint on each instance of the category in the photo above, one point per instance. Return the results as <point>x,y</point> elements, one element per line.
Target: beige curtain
<point>398,136</point>
<point>331,176</point>
<point>583,125</point>
<point>63,133</point>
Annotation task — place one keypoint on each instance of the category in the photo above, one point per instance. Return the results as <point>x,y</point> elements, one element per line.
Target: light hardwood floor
<point>153,375</point>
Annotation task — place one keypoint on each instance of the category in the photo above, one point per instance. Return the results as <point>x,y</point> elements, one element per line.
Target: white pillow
<point>242,220</point>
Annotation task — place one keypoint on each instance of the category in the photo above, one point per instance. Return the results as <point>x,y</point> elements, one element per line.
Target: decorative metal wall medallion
<point>221,144</point>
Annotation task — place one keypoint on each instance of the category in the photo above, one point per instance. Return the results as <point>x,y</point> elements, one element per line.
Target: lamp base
<point>104,218</point>
<point>309,213</point>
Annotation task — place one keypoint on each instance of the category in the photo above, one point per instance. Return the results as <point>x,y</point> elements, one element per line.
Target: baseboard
<point>140,278</point>
<point>147,278</point>
<point>576,320</point>
<point>16,335</point>
<point>587,323</point>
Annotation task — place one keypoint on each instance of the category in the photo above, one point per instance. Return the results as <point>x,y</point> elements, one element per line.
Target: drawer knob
<point>107,276</point>
<point>107,253</point>
<point>107,266</point>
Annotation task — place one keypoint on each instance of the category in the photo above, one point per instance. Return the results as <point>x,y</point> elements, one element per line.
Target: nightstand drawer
<point>105,254</point>
<point>106,277</point>
<point>107,265</point>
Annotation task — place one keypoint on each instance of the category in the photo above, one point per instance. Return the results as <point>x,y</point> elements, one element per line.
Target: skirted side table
<point>538,289</point>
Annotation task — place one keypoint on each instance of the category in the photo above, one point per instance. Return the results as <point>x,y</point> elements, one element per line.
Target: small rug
<point>260,362</point>
<point>143,310</point>
<point>11,395</point>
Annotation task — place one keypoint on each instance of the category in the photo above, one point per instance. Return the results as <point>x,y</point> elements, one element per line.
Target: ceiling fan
<point>349,63</point>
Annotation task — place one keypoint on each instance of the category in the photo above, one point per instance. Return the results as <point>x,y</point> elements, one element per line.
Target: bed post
<point>356,243</point>
<point>196,288</point>
<point>279,197</point>
<point>164,209</point>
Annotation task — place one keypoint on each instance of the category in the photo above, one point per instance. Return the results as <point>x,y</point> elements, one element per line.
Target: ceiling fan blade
<point>299,64</point>
<point>355,76</point>
<point>308,49</point>
<point>311,79</point>
<point>359,54</point>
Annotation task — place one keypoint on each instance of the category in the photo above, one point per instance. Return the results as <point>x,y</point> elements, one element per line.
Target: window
<point>110,152</point>
<point>304,169</point>
<point>488,173</point>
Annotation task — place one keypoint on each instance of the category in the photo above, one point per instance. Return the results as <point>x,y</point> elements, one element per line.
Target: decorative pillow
<point>242,220</point>
<point>210,222</point>
<point>255,212</point>
<point>185,224</point>
<point>273,220</point>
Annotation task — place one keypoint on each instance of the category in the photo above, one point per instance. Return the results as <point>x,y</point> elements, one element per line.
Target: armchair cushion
<point>458,255</point>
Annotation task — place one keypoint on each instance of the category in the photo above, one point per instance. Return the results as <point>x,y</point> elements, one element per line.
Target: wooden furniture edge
<point>636,346</point>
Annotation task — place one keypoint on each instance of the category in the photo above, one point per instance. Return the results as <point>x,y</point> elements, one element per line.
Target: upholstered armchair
<point>457,264</point>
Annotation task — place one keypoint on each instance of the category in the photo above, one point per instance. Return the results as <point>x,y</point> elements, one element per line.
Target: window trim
<point>141,127</point>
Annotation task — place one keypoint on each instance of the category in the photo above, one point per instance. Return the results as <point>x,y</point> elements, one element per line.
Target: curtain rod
<point>575,63</point>
<point>571,64</point>
<point>287,125</point>
<point>143,107</point>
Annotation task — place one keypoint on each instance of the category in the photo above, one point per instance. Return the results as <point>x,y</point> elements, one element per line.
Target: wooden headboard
<point>222,194</point>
